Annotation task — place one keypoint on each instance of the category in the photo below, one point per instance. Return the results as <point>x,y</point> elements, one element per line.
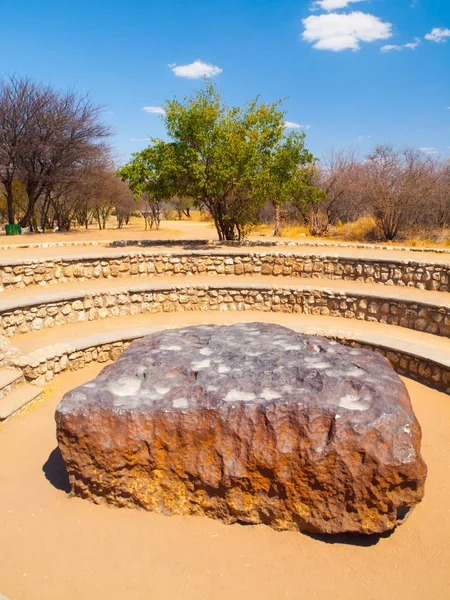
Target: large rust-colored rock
<point>250,423</point>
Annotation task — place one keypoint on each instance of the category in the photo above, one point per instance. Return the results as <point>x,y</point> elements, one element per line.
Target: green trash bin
<point>13,229</point>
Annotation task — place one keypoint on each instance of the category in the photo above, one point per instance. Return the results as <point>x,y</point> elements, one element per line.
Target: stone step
<point>9,379</point>
<point>12,300</point>
<point>18,399</point>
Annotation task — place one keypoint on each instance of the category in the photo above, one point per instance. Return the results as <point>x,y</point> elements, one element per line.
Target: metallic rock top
<point>210,366</point>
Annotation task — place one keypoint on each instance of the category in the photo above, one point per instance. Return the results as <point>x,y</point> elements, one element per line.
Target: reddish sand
<point>56,547</point>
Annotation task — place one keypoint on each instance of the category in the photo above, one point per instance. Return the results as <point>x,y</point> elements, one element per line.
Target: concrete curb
<point>335,256</point>
<point>248,243</point>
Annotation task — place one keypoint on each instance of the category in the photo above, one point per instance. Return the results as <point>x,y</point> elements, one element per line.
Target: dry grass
<point>287,231</point>
<point>197,216</point>
<point>364,230</point>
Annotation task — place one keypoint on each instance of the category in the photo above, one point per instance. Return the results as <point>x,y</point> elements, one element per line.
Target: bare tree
<point>43,135</point>
<point>396,181</point>
<point>437,204</point>
<point>152,211</point>
<point>338,176</point>
<point>124,203</point>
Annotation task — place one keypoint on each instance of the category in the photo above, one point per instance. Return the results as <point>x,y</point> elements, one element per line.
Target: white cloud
<point>154,110</point>
<point>438,34</point>
<point>412,45</point>
<point>139,139</point>
<point>344,31</point>
<point>390,48</point>
<point>429,150</point>
<point>393,47</point>
<point>195,70</point>
<point>361,138</point>
<point>330,5</point>
<point>292,125</point>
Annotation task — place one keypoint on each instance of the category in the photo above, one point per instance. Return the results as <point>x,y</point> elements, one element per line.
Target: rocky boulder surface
<point>249,423</point>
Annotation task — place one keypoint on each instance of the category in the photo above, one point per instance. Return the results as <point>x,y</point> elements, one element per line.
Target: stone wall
<point>41,367</point>
<point>121,302</point>
<point>421,275</point>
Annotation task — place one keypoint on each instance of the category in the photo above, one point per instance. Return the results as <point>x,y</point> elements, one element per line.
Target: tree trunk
<point>33,196</point>
<point>277,230</point>
<point>10,203</point>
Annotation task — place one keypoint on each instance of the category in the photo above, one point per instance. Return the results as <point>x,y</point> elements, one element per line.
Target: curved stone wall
<point>422,275</point>
<point>71,307</point>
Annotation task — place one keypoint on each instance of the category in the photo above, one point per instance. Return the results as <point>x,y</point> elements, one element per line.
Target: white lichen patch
<point>180,403</point>
<point>352,402</point>
<point>267,394</point>
<point>320,365</point>
<point>223,369</point>
<point>125,386</point>
<point>173,348</point>
<point>202,364</point>
<point>287,388</point>
<point>291,346</point>
<point>354,372</point>
<point>206,351</point>
<point>331,373</point>
<point>162,390</point>
<point>240,396</point>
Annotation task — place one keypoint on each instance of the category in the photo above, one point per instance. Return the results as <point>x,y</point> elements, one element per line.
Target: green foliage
<point>230,160</point>
<point>289,172</point>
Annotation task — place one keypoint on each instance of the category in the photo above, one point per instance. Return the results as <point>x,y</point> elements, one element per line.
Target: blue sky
<point>345,69</point>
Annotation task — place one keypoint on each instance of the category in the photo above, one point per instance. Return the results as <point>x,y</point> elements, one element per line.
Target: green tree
<point>220,156</point>
<point>288,175</point>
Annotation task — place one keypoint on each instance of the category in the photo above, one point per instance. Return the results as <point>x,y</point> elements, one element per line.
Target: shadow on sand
<point>350,539</point>
<point>186,244</point>
<point>55,471</point>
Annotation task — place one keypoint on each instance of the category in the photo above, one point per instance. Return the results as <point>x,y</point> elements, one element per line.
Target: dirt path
<point>53,547</point>
<point>135,231</point>
<point>185,231</point>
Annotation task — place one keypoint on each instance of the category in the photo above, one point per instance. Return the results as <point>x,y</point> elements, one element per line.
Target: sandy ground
<point>182,231</point>
<point>135,231</point>
<point>56,547</point>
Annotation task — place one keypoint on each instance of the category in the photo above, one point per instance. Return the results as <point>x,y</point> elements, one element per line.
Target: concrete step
<point>9,379</point>
<point>18,399</point>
